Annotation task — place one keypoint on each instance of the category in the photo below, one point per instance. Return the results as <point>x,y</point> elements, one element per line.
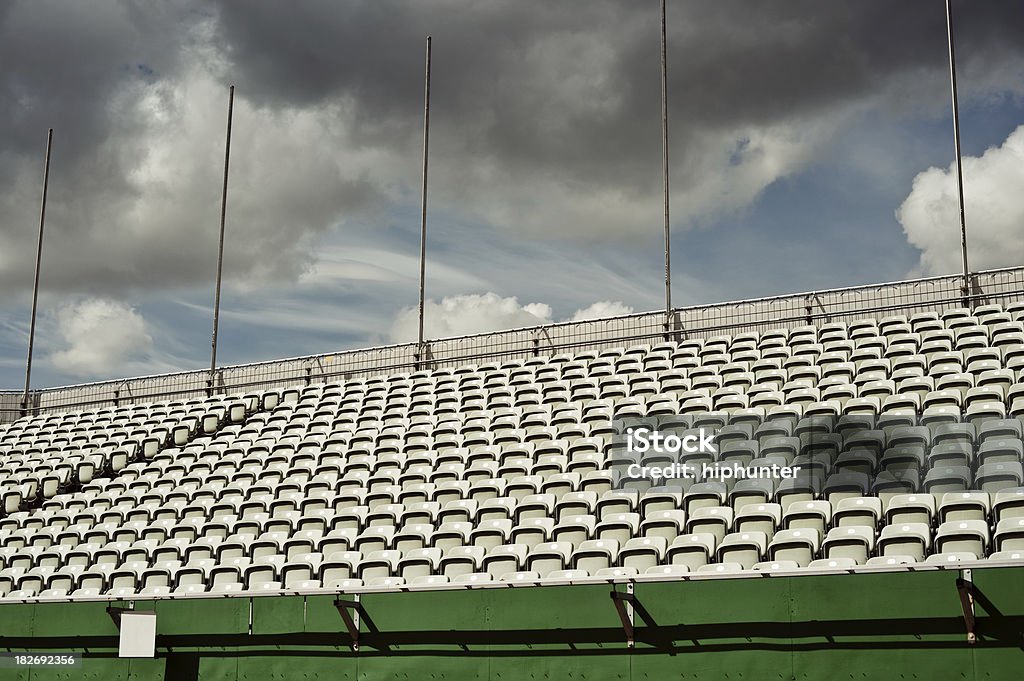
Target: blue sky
<point>811,154</point>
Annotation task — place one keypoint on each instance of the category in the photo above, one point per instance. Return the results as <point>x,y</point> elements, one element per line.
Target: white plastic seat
<point>429,580</point>
<point>1007,555</point>
<point>616,573</point>
<point>815,515</point>
<point>717,568</point>
<point>643,553</point>
<point>951,558</point>
<point>1009,535</point>
<point>691,550</point>
<point>461,560</point>
<point>419,562</point>
<point>764,518</point>
<point>618,527</point>
<point>546,557</point>
<point>667,524</point>
<point>1009,503</point>
<point>910,508</point>
<point>714,520</point>
<point>745,548</point>
<point>594,555</point>
<point>839,563</point>
<point>995,476</point>
<point>565,575</point>
<point>905,539</point>
<point>504,559</point>
<point>798,546</point>
<point>962,536</point>
<point>666,570</point>
<point>471,578</point>
<point>862,511</point>
<point>339,568</point>
<point>964,506</point>
<point>854,542</point>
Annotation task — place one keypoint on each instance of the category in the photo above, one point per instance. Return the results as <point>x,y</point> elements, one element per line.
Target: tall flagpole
<point>35,283</point>
<point>220,244</point>
<point>664,169</point>
<point>423,204</point>
<point>956,142</point>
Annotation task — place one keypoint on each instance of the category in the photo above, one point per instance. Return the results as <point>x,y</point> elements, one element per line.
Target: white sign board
<point>138,634</point>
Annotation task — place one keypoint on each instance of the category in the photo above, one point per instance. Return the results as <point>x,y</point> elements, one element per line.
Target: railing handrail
<point>516,341</point>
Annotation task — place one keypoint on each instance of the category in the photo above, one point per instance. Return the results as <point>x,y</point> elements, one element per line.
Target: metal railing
<point>1004,286</point>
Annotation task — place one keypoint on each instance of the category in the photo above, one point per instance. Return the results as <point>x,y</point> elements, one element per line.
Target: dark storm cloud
<point>545,113</point>
<point>732,64</point>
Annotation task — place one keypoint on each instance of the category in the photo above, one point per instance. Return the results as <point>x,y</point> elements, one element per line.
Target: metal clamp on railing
<point>814,299</point>
<point>674,331</point>
<point>424,356</point>
<point>539,333</point>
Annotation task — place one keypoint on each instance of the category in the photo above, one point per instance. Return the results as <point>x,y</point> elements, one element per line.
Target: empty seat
<point>595,555</point>
<point>854,543</point>
<point>1009,535</point>
<point>798,546</point>
<point>962,536</point>
<point>692,550</point>
<point>744,548</point>
<point>911,540</point>
<point>964,506</point>
<point>863,511</point>
<point>547,557</point>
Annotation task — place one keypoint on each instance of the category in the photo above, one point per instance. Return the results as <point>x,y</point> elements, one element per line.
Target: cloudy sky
<point>811,148</point>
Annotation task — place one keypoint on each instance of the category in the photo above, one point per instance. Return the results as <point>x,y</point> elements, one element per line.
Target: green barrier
<point>900,625</point>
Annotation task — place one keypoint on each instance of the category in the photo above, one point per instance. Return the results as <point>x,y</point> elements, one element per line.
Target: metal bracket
<point>624,602</point>
<point>965,587</point>
<point>812,299</point>
<point>673,327</point>
<point>538,334</point>
<point>972,292</point>
<point>424,356</point>
<point>351,619</point>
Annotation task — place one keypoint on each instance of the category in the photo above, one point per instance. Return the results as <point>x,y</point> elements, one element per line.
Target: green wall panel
<point>888,622</point>
<point>710,629</point>
<point>17,620</point>
<point>218,668</point>
<point>143,670</point>
<point>425,667</point>
<point>278,615</point>
<point>902,626</point>
<point>434,622</point>
<point>208,616</point>
<point>76,619</point>
<point>322,616</point>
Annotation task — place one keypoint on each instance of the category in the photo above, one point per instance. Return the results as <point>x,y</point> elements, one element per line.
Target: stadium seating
<point>909,430</point>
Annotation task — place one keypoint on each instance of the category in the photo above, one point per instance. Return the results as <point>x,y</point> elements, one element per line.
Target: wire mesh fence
<point>1004,286</point>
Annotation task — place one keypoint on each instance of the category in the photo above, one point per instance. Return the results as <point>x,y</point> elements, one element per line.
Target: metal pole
<point>220,244</point>
<point>423,202</point>
<point>664,169</point>
<point>956,141</point>
<point>35,282</point>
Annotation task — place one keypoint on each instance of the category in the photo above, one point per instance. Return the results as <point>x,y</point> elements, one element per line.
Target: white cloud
<point>994,209</point>
<point>475,313</point>
<point>468,314</point>
<point>601,309</point>
<point>101,337</point>
<point>295,174</point>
